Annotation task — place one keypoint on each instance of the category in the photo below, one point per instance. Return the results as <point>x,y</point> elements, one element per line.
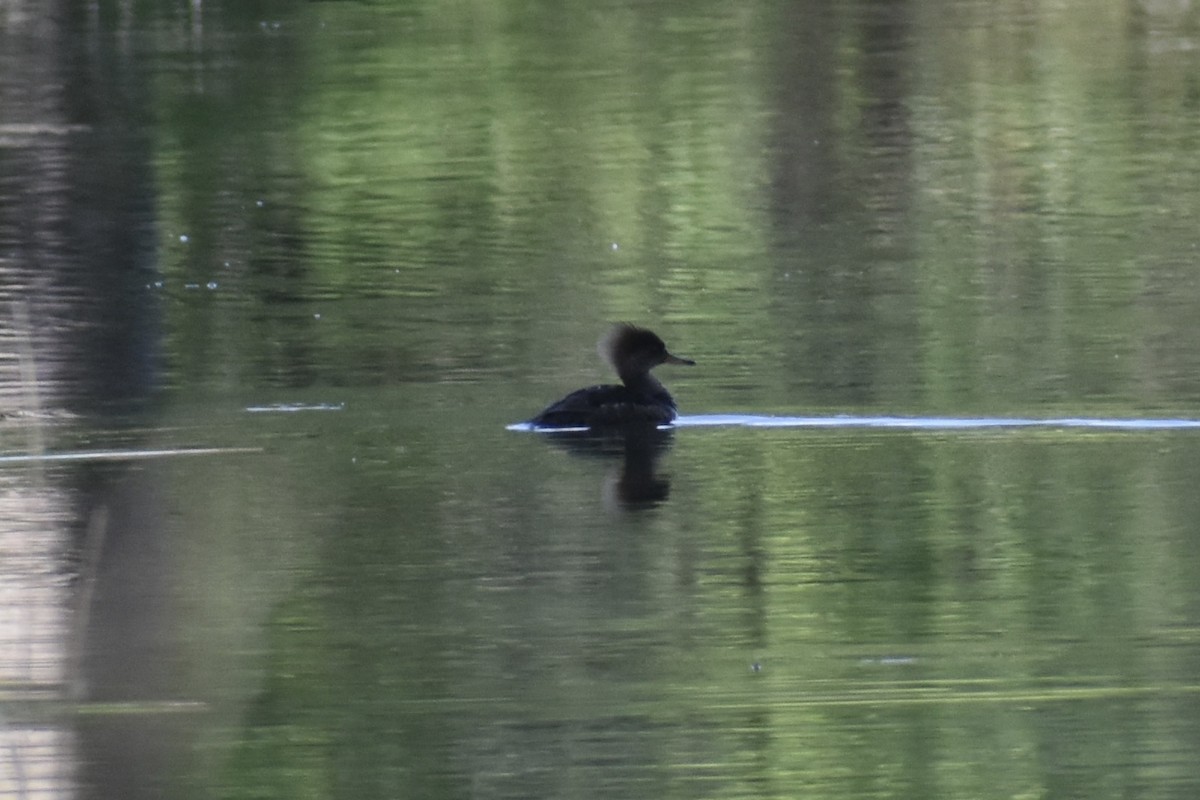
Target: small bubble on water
<point>316,316</point>
<point>259,203</point>
<point>615,247</point>
<point>183,237</point>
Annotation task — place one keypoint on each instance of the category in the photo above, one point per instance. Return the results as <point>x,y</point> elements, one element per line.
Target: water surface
<point>277,279</point>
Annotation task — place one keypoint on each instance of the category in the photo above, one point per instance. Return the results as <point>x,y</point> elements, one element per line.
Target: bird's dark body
<point>640,400</point>
<point>608,405</point>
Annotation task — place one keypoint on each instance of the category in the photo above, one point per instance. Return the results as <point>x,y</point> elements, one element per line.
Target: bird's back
<point>606,406</point>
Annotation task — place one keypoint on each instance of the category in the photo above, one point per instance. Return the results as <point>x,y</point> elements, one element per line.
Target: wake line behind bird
<point>936,423</point>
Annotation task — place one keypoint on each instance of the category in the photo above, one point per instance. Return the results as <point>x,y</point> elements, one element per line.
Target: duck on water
<point>639,400</point>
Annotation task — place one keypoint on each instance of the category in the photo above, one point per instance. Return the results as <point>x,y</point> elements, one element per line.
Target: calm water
<point>275,282</point>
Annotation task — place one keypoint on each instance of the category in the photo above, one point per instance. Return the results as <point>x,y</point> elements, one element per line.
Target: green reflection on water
<point>422,215</point>
<point>944,614</point>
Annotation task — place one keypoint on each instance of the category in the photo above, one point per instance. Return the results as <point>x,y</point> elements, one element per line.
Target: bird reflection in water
<point>636,482</point>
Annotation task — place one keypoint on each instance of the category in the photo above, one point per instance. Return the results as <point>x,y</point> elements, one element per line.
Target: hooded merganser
<point>632,352</point>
